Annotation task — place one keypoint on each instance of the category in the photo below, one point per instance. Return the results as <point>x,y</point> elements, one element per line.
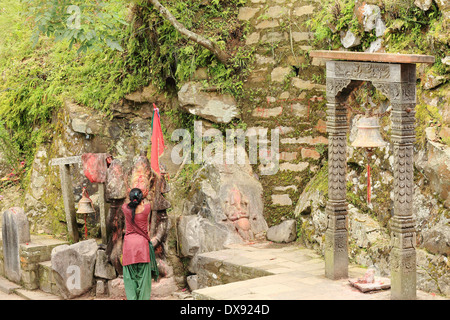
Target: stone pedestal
<point>15,230</point>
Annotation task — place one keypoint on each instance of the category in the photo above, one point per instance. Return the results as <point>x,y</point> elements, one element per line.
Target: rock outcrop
<point>224,206</point>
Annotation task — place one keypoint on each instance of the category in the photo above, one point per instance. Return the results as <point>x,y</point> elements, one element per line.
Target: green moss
<point>320,181</point>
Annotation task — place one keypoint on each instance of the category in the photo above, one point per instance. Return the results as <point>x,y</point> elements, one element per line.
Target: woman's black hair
<point>136,197</point>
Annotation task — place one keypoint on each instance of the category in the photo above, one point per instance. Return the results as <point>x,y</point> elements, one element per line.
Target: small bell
<point>85,207</point>
<point>368,135</point>
<point>85,204</point>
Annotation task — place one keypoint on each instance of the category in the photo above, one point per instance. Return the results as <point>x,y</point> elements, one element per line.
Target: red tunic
<point>135,246</point>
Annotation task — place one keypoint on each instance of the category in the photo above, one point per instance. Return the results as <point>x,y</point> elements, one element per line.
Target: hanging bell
<point>85,204</point>
<point>368,135</point>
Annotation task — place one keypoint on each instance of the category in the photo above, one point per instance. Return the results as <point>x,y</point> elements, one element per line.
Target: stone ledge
<point>7,286</point>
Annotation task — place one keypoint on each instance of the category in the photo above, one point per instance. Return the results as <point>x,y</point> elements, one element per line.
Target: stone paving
<point>296,274</point>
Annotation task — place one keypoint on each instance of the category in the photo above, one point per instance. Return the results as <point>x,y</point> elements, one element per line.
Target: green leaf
<point>113,45</point>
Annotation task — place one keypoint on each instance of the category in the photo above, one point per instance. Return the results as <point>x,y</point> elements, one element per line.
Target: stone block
<point>288,156</point>
<point>47,281</point>
<point>299,110</point>
<point>253,38</point>
<point>280,73</point>
<point>302,36</point>
<point>310,153</point>
<point>266,24</point>
<point>319,140</point>
<point>74,266</point>
<point>277,12</point>
<point>192,282</point>
<point>103,268</point>
<point>116,288</point>
<point>101,288</point>
<point>350,40</point>
<point>267,112</point>
<point>286,188</point>
<point>297,167</point>
<point>15,230</point>
<point>307,85</point>
<point>213,106</point>
<point>281,200</point>
<point>264,60</point>
<point>283,232</point>
<point>164,287</point>
<point>273,37</point>
<point>321,126</point>
<point>246,13</point>
<point>304,10</point>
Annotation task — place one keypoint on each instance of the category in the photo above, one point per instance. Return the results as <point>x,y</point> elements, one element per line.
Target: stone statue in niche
<point>237,212</point>
<point>153,188</point>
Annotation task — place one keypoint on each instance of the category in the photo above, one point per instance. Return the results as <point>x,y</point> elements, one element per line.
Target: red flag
<point>157,140</point>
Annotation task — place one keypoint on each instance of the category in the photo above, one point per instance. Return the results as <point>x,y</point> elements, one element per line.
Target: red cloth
<point>135,245</point>
<point>157,140</point>
<point>94,166</point>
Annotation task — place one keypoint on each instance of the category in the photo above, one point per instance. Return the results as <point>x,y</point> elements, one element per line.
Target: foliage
<point>409,28</point>
<point>35,81</point>
<point>77,21</point>
<point>336,16</point>
<point>171,59</point>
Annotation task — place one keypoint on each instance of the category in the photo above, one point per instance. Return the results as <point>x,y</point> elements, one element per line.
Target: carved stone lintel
<point>371,71</point>
<point>402,92</point>
<point>335,86</point>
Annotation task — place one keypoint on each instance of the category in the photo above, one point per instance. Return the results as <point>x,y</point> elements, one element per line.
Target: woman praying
<point>138,259</point>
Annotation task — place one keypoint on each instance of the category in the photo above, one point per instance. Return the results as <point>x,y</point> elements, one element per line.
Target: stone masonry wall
<point>285,90</point>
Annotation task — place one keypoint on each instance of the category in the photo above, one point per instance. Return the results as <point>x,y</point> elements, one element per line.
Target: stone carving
<point>397,82</point>
<point>335,86</point>
<point>15,230</point>
<point>337,167</point>
<point>153,187</point>
<point>224,206</point>
<point>74,267</point>
<point>236,211</point>
<point>363,71</point>
<point>403,177</point>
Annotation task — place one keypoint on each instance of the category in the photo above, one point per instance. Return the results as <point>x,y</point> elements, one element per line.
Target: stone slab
<point>7,286</point>
<point>303,280</point>
<point>374,57</point>
<point>67,160</point>
<point>378,284</point>
<point>36,295</point>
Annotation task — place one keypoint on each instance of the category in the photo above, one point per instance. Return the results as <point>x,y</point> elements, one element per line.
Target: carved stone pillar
<point>336,236</point>
<point>403,254</point>
<point>395,76</point>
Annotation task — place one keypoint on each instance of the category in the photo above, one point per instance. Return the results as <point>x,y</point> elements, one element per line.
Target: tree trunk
<point>208,44</point>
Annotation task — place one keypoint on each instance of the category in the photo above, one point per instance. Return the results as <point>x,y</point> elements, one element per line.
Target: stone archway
<point>395,76</point>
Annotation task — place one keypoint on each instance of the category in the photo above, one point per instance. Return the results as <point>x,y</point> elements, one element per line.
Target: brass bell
<point>368,135</point>
<point>85,204</point>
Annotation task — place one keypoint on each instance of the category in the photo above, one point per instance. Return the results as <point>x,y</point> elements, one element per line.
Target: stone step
<point>7,286</point>
<point>36,295</point>
<point>32,254</point>
<point>47,281</point>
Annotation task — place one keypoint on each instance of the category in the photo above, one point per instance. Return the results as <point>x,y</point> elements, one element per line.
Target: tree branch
<point>208,44</point>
